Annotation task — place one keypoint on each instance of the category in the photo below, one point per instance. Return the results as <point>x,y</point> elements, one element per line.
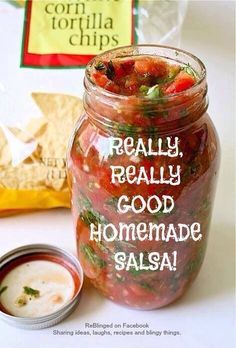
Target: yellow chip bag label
<point>75,30</point>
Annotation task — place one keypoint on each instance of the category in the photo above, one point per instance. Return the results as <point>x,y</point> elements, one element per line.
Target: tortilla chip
<point>45,168</point>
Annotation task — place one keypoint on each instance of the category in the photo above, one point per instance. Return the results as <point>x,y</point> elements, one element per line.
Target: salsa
<point>143,76</point>
<point>158,101</point>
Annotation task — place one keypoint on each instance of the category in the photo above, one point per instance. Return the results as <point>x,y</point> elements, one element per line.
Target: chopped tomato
<point>152,66</point>
<point>123,69</point>
<point>182,82</point>
<point>100,79</point>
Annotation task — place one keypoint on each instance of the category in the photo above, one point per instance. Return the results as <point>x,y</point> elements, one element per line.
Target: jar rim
<point>88,82</point>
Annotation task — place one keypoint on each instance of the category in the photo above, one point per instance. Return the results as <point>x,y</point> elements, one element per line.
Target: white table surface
<point>205,316</point>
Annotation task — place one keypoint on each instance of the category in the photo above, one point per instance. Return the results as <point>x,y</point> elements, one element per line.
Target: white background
<point>205,315</point>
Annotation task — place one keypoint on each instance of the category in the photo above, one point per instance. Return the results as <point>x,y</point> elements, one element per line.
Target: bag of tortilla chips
<point>45,46</point>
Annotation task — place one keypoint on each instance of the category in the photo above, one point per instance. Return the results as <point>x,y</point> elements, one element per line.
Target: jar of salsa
<point>142,166</point>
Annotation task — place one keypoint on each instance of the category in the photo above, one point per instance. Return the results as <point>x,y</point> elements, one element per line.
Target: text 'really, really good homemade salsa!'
<point>143,164</point>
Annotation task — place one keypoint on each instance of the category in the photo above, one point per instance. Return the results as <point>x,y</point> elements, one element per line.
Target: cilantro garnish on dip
<point>36,288</point>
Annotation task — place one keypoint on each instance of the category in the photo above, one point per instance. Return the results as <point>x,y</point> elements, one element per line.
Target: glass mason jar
<point>95,196</point>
